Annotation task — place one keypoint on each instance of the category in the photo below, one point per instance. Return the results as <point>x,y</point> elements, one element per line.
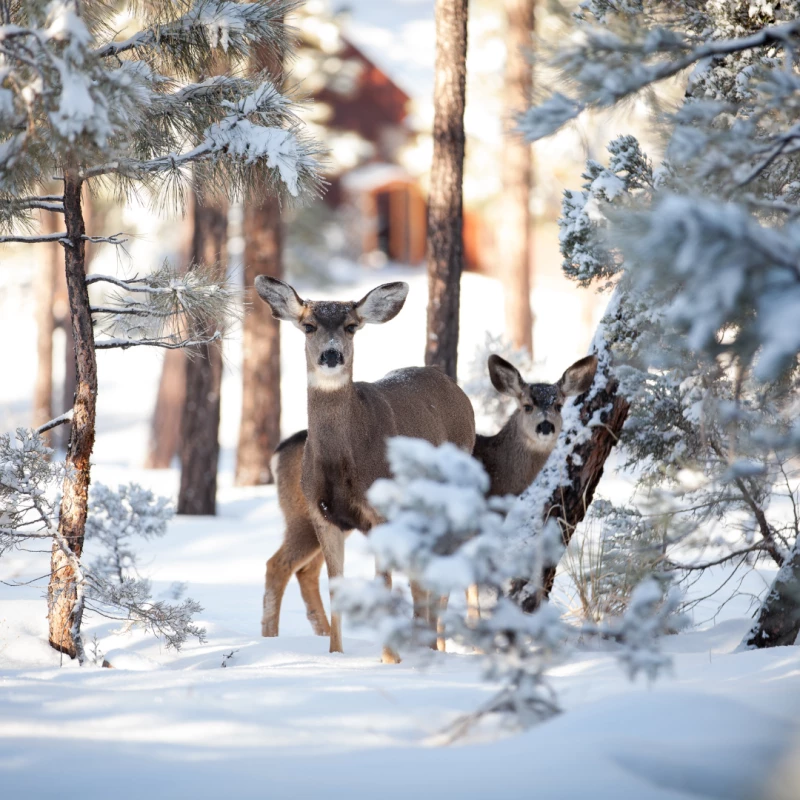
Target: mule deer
<point>512,458</point>
<point>515,455</point>
<point>344,452</point>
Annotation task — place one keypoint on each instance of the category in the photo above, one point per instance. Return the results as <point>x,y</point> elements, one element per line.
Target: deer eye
<point>309,328</point>
<point>558,408</point>
<point>527,408</point>
<point>351,328</point>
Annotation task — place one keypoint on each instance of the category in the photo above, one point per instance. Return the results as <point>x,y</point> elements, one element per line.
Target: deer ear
<point>579,377</point>
<point>383,303</point>
<point>505,377</point>
<point>282,299</point>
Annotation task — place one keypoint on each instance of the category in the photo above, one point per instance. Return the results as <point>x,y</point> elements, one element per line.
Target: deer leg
<point>473,603</point>
<point>331,539</point>
<point>424,611</point>
<point>299,546</point>
<point>308,578</point>
<point>388,656</point>
<point>441,643</point>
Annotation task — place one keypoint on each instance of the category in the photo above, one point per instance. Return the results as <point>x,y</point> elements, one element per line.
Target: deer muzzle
<point>331,358</point>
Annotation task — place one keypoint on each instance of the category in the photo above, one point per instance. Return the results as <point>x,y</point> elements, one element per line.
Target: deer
<point>343,451</point>
<point>513,458</point>
<point>516,454</point>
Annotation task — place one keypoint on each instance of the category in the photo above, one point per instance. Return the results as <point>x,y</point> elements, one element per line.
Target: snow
<point>287,719</point>
<point>242,139</point>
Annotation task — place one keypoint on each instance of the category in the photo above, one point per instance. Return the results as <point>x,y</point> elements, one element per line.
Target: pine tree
<point>260,425</point>
<point>84,105</point>
<point>445,220</point>
<point>703,252</point>
<point>514,237</point>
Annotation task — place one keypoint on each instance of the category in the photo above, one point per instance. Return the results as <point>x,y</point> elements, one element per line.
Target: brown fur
<point>345,449</point>
<point>516,454</point>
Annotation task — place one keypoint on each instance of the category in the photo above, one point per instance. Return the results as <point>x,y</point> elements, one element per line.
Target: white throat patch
<point>328,379</point>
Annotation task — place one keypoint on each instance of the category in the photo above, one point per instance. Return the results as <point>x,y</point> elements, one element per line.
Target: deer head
<point>540,404</point>
<point>330,326</point>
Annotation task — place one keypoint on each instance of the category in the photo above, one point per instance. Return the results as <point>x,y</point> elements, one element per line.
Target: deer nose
<point>545,428</point>
<point>331,358</point>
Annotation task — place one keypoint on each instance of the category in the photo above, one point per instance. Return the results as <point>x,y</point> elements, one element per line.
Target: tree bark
<point>92,221</point>
<point>70,377</point>
<point>570,502</point>
<point>64,610</point>
<point>201,411</point>
<point>514,230</point>
<point>778,622</point>
<point>165,425</point>
<point>45,325</point>
<point>260,428</point>
<point>445,222</point>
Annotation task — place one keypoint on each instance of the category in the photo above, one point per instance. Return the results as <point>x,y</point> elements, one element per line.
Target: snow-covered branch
<point>620,68</point>
<point>124,344</point>
<point>446,535</point>
<point>111,587</point>
<point>62,238</point>
<point>63,419</point>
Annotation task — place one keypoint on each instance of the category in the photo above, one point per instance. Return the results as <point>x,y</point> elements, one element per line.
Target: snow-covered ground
<point>284,718</point>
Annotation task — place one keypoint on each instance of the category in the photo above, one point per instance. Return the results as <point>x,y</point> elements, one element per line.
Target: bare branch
<point>134,311</point>
<point>46,237</point>
<point>124,344</point>
<point>131,285</point>
<point>756,548</point>
<point>54,423</point>
<point>113,239</point>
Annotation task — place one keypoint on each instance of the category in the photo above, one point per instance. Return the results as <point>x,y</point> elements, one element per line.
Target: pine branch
<point>54,423</point>
<point>124,344</point>
<point>135,312</point>
<point>46,237</point>
<point>130,285</point>
<point>601,90</point>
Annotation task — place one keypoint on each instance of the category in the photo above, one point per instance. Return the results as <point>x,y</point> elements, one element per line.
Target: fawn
<point>344,451</point>
<point>515,455</point>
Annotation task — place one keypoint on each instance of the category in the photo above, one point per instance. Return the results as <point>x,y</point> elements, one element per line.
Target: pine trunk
<point>778,621</point>
<point>445,223</point>
<point>166,422</point>
<point>64,610</point>
<point>259,432</point>
<point>514,230</point>
<point>46,279</point>
<point>201,411</point>
<point>570,502</point>
<point>165,425</point>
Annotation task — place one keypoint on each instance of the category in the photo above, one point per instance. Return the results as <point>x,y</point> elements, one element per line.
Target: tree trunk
<point>165,426</point>
<point>201,411</point>
<point>585,462</point>
<point>260,429</point>
<point>48,272</point>
<point>778,621</point>
<point>92,221</point>
<point>166,422</point>
<point>445,224</point>
<point>64,610</point>
<point>514,230</point>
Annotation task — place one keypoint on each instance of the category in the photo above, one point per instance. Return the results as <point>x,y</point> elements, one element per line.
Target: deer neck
<point>330,413</point>
<point>516,462</point>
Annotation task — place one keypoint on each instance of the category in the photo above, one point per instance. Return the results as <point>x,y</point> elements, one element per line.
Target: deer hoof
<point>389,656</point>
